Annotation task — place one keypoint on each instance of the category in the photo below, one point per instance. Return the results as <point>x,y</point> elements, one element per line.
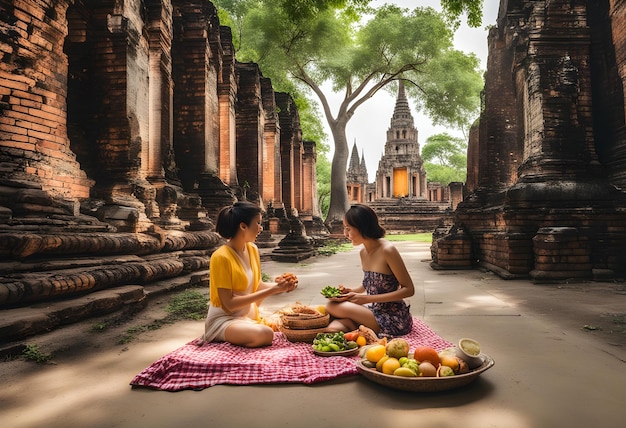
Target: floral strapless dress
<point>393,318</point>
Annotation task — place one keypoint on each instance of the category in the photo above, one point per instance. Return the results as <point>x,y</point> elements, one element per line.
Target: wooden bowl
<point>425,384</point>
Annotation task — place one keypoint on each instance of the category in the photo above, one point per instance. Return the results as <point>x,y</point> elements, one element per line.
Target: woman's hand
<point>286,282</point>
<point>352,297</point>
<point>357,298</point>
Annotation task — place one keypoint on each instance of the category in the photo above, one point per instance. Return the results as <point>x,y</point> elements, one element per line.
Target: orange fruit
<point>361,341</point>
<point>426,353</point>
<point>450,361</point>
<point>375,353</point>
<point>390,365</point>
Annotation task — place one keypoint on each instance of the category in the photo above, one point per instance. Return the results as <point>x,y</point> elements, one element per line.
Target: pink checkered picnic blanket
<point>195,366</point>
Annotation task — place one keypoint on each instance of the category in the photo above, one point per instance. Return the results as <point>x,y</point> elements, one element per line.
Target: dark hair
<point>365,220</point>
<point>229,218</point>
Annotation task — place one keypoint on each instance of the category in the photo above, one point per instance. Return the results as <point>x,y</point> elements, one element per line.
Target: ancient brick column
<point>159,148</point>
<point>310,205</point>
<point>227,93</point>
<point>311,213</point>
<point>34,145</point>
<point>250,126</point>
<point>554,92</point>
<point>286,108</point>
<point>473,156</point>
<point>217,183</point>
<point>608,61</point>
<point>109,109</point>
<point>298,191</point>
<point>499,145</point>
<point>196,109</point>
<point>271,191</point>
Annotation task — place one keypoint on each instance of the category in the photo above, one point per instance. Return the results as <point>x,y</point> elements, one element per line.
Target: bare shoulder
<point>389,248</point>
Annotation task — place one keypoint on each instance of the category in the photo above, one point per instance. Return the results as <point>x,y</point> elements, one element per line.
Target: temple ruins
<point>124,127</point>
<point>547,162</point>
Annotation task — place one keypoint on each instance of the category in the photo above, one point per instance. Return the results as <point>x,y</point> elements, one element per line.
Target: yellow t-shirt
<point>226,271</point>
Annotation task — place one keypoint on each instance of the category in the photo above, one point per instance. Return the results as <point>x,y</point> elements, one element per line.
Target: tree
<point>308,42</point>
<point>322,168</point>
<point>445,158</point>
<point>453,9</point>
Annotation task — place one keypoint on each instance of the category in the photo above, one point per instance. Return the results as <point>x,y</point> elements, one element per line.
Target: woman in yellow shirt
<point>236,288</point>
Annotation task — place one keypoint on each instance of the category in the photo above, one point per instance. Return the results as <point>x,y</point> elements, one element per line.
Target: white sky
<point>372,119</point>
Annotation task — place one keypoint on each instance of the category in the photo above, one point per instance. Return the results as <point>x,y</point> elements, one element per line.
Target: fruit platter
<point>422,369</point>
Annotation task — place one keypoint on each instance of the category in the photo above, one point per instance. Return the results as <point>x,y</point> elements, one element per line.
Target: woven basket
<point>300,335</point>
<point>305,321</point>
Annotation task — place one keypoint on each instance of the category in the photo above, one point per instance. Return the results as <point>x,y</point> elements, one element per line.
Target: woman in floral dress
<point>379,302</point>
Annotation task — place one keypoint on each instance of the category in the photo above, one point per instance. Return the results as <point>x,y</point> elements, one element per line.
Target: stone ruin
<point>547,162</point>
<point>124,127</point>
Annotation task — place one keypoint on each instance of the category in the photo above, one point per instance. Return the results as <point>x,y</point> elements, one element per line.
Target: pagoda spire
<point>402,112</point>
<point>354,158</point>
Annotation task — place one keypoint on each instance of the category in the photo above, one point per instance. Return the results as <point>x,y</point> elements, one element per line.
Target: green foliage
<point>243,16</point>
<point>101,326</point>
<point>417,237</point>
<point>449,89</point>
<point>334,247</point>
<point>453,9</point>
<point>189,304</point>
<point>323,183</point>
<point>439,148</point>
<point>445,159</point>
<point>33,353</point>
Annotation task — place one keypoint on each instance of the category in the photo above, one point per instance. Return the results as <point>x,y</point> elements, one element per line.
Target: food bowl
<point>469,351</point>
<point>300,335</point>
<point>305,321</point>
<point>425,384</point>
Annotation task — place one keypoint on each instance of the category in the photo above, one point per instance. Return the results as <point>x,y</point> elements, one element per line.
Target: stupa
<point>401,196</point>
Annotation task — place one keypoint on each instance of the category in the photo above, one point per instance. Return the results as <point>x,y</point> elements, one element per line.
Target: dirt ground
<point>86,381</point>
<point>579,306</point>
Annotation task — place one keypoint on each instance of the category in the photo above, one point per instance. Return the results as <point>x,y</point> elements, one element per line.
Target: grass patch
<point>188,305</point>
<point>333,248</point>
<point>101,326</point>
<point>33,353</point>
<point>417,237</point>
<point>620,320</point>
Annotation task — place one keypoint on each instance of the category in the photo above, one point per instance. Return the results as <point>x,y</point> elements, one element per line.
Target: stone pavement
<point>559,351</point>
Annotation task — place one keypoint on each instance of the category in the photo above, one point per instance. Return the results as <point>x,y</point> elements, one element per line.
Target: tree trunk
<point>338,190</point>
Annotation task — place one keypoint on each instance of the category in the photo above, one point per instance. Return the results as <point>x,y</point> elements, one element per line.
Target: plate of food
<point>425,384</point>
<point>344,353</point>
<point>331,293</point>
<point>334,345</point>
